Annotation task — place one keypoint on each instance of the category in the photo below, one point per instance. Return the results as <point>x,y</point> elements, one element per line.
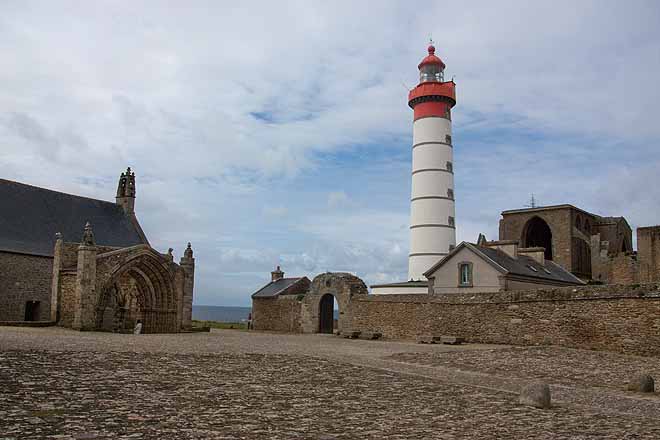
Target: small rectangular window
<point>450,220</point>
<point>450,167</point>
<point>448,139</point>
<point>450,193</point>
<point>465,274</point>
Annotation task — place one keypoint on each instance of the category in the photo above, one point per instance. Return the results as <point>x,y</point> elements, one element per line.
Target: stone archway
<point>537,233</point>
<point>338,286</point>
<point>326,313</point>
<point>139,288</point>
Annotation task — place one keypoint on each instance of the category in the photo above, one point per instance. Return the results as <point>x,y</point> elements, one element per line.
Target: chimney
<point>509,247</point>
<point>277,274</point>
<point>537,253</point>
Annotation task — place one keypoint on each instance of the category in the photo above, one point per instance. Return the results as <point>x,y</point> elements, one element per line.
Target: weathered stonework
<point>24,278</point>
<point>301,312</point>
<point>619,318</point>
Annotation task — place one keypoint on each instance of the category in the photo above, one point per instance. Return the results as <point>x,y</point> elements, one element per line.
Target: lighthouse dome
<point>431,69</point>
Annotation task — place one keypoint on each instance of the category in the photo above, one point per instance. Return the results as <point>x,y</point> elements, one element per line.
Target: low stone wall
<point>623,318</point>
<point>280,314</point>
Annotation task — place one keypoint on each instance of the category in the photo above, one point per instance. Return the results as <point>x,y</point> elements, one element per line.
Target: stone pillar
<point>55,280</point>
<point>188,265</point>
<point>85,296</point>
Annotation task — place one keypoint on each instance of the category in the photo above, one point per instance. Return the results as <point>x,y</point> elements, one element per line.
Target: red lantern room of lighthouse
<point>432,96</point>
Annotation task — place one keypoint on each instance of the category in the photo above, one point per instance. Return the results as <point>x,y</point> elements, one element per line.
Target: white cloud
<point>242,120</point>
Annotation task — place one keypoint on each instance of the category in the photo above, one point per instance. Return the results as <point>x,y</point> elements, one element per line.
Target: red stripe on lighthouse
<point>431,108</point>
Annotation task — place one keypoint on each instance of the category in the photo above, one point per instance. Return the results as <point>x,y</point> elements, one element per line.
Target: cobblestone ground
<point>232,385</point>
<point>579,368</point>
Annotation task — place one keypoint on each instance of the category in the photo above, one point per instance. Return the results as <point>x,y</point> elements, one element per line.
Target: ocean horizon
<point>220,313</point>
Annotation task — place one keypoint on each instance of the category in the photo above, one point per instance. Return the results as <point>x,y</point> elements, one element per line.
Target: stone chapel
<point>87,264</point>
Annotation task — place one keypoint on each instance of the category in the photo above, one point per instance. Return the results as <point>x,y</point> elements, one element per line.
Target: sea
<point>220,313</point>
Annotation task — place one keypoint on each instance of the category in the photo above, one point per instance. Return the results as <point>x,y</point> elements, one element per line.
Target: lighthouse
<point>432,218</point>
<point>432,211</point>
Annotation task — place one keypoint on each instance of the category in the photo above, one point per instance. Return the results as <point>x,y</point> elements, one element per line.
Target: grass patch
<point>221,325</point>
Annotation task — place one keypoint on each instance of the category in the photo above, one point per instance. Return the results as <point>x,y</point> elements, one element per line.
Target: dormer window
<point>532,268</point>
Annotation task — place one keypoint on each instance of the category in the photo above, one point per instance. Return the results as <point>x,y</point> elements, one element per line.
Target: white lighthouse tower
<point>432,213</point>
<point>432,218</point>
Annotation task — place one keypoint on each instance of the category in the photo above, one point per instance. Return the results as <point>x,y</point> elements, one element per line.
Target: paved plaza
<point>61,384</point>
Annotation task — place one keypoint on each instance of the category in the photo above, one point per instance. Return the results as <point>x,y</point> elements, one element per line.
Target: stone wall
<point>560,221</point>
<point>648,245</point>
<point>280,314</point>
<point>24,278</point>
<point>614,317</point>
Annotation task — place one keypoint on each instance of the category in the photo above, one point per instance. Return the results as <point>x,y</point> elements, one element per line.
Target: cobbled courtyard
<point>61,384</point>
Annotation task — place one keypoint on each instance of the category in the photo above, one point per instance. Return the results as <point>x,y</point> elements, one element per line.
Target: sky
<point>269,133</point>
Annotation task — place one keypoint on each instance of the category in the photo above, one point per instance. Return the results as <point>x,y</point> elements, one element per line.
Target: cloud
<point>290,143</point>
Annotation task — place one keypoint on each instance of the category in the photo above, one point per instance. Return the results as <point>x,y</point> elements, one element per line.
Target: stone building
<point>567,234</point>
<point>496,266</point>
<point>297,306</point>
<point>87,264</point>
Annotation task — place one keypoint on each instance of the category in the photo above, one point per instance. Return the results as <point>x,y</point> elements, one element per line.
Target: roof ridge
<point>57,192</point>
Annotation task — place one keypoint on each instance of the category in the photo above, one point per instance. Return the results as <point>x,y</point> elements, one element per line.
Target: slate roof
<point>30,216</point>
<point>275,288</point>
<point>521,266</point>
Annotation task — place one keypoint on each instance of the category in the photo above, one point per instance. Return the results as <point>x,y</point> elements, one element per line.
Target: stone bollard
<point>536,395</point>
<point>642,384</point>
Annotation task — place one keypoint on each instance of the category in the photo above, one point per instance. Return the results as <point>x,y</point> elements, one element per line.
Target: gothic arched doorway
<point>327,313</point>
<point>537,233</point>
<point>142,290</point>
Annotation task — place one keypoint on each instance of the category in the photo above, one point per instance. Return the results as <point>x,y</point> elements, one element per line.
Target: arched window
<point>578,222</point>
<point>537,233</point>
<point>581,264</point>
<point>587,226</point>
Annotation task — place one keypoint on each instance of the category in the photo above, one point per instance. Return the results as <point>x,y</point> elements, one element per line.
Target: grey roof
<point>274,288</point>
<point>31,216</point>
<point>520,266</point>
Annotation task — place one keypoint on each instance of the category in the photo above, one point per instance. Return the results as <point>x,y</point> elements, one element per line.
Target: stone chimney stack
<point>126,191</point>
<point>537,253</point>
<point>509,247</point>
<point>277,274</point>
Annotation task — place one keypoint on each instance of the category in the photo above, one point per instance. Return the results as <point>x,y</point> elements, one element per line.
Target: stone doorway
<point>326,313</point>
<point>32,309</point>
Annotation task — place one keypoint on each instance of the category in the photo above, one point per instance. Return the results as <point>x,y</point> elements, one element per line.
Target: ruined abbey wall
<point>623,318</point>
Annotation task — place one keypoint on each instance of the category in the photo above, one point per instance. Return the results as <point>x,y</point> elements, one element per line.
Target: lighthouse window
<point>450,193</point>
<point>450,167</point>
<point>431,73</point>
<point>448,139</point>
<point>451,221</point>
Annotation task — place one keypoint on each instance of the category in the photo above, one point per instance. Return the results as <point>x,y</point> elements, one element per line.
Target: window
<point>450,220</point>
<point>532,268</point>
<point>448,139</point>
<point>578,222</point>
<point>465,274</point>
<point>450,193</point>
<point>450,167</point>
